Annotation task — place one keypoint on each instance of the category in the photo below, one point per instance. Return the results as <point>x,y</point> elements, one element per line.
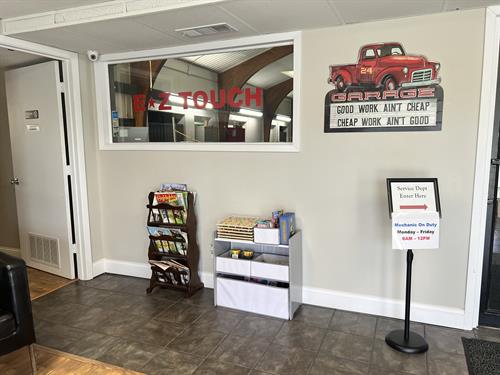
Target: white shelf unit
<point>236,282</point>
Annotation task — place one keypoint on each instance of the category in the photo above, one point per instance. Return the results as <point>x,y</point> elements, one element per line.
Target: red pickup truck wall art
<point>386,90</point>
<point>385,65</point>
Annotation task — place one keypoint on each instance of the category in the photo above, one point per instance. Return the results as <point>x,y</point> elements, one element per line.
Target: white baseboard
<point>429,314</point>
<point>142,270</point>
<point>11,251</point>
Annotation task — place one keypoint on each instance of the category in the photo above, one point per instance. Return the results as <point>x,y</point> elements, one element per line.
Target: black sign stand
<point>404,340</point>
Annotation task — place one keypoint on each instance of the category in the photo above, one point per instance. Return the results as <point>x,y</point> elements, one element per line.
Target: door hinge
<point>495,161</point>
<point>74,250</point>
<point>62,87</point>
<point>68,170</point>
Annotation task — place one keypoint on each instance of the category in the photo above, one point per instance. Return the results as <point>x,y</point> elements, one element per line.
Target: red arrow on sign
<point>414,207</point>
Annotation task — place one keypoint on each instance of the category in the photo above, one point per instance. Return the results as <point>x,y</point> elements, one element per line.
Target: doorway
<point>489,310</point>
<point>68,253</point>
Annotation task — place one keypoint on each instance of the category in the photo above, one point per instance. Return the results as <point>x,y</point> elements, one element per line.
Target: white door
<point>37,135</point>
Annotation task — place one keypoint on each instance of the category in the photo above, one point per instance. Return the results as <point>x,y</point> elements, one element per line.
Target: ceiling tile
<point>168,22</point>
<point>125,34</point>
<point>268,16</point>
<point>370,10</point>
<point>65,39</point>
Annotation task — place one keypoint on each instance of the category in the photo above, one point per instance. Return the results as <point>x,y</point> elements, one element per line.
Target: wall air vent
<point>197,31</point>
<point>44,249</point>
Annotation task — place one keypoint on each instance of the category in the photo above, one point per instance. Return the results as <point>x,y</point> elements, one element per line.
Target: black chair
<point>16,318</point>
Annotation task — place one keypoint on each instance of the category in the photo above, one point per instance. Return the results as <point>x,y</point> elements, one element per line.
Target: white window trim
<point>104,107</point>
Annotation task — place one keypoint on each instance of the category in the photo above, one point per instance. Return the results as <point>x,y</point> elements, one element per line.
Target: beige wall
<point>9,234</point>
<point>335,184</point>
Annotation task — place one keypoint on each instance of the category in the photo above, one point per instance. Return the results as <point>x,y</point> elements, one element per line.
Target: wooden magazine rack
<point>161,248</point>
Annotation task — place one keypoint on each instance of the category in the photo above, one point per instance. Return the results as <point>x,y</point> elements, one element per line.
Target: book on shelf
<point>176,247</point>
<point>169,265</point>
<point>176,199</point>
<point>173,187</point>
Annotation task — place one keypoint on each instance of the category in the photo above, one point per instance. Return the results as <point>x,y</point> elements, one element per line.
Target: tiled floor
<point>112,320</point>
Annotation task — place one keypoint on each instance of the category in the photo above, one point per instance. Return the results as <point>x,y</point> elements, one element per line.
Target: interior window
<point>239,96</point>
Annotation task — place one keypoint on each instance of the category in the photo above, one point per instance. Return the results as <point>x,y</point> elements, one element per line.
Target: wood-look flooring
<point>42,283</point>
<point>54,362</point>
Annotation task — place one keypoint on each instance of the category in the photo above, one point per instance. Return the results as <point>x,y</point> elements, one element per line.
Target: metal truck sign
<point>386,90</point>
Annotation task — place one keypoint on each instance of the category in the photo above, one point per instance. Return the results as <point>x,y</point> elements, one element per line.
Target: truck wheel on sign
<point>390,83</point>
<point>340,84</point>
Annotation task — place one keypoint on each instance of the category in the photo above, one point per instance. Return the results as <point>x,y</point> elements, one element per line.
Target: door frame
<point>75,143</point>
<point>483,155</point>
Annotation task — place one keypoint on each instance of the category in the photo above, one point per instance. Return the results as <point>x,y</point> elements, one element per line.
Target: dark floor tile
<point>245,351</point>
<point>114,283</point>
<point>387,358</point>
<point>182,313</point>
<point>488,334</point>
<point>92,345</point>
<point>300,335</point>
<point>80,295</point>
<point>154,332</point>
<point>317,316</point>
<point>287,361</point>
<point>220,319</point>
<point>87,317</point>
<point>167,362</point>
<point>95,281</point>
<point>326,364</point>
<point>354,323</point>
<point>120,325</point>
<point>55,311</point>
<point>165,293</point>
<point>213,367</point>
<point>204,296</point>
<point>258,326</point>
<point>441,363</point>
<point>57,336</point>
<point>137,286</point>
<point>387,325</point>
<point>118,303</point>
<point>346,346</point>
<point>129,354</point>
<point>383,371</point>
<point>447,340</point>
<point>196,341</point>
<point>148,306</point>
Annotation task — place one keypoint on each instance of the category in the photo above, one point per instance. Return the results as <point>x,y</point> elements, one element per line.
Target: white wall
<point>336,183</point>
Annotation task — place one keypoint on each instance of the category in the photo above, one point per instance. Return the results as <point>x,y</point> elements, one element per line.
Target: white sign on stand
<point>415,211</point>
<point>415,230</point>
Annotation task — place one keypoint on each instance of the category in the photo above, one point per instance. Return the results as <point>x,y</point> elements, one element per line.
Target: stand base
<point>416,343</point>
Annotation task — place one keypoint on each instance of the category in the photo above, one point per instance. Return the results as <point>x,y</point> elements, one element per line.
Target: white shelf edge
<point>249,242</point>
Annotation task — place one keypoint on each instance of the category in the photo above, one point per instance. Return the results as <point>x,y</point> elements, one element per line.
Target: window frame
<point>103,102</point>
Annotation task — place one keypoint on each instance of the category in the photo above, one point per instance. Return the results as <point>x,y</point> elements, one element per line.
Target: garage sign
<point>386,90</point>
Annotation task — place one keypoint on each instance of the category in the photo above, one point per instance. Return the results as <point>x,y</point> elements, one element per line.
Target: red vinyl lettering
<point>222,99</point>
<point>233,92</point>
<point>139,102</point>
<point>200,104</point>
<point>257,96</point>
<point>163,105</point>
<point>184,95</point>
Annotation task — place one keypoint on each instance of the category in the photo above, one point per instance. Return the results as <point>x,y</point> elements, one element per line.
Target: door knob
<point>14,181</point>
